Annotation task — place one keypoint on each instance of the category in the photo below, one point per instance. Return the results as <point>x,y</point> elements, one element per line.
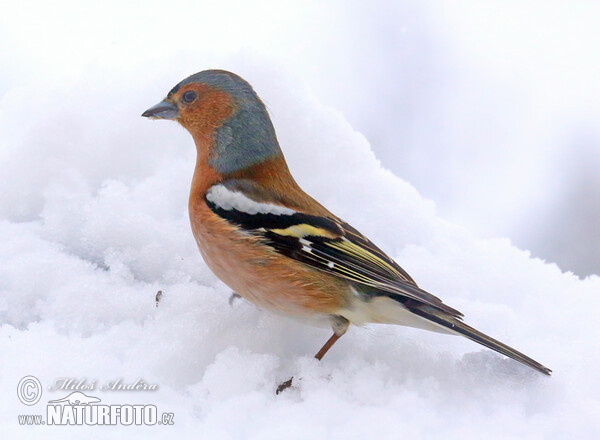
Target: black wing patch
<point>269,221</point>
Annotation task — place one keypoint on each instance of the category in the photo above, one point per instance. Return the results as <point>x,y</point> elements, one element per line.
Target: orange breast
<point>258,273</point>
<point>249,267</point>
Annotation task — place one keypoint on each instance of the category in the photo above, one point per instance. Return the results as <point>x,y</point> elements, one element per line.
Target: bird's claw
<point>284,385</point>
<point>233,297</point>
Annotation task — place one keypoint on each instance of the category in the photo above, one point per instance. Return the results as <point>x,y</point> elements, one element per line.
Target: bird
<point>275,245</point>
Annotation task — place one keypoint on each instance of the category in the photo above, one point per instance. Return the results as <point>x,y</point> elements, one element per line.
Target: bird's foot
<point>233,297</point>
<point>284,385</point>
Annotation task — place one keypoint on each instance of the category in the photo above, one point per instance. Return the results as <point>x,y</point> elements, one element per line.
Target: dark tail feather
<point>463,329</point>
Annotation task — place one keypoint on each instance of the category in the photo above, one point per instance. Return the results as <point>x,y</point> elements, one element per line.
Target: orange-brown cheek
<point>209,111</point>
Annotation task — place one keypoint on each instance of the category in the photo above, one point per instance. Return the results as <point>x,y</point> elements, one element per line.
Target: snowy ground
<point>93,222</point>
<point>106,192</point>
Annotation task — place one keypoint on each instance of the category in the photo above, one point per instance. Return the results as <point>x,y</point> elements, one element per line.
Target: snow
<point>93,223</point>
<point>84,257</point>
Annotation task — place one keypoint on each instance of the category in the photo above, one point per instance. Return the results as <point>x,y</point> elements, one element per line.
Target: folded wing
<point>324,243</point>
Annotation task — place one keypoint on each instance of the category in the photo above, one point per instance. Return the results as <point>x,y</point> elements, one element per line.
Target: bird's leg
<point>325,348</point>
<point>339,325</point>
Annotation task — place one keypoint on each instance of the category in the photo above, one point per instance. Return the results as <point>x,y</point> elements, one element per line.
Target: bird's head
<point>224,115</point>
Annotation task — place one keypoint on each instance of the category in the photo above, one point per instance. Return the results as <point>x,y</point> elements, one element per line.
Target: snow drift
<point>94,223</point>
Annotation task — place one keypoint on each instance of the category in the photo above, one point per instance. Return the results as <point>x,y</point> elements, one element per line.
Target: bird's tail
<point>457,326</point>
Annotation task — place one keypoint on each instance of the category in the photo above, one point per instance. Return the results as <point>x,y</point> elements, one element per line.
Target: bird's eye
<point>188,96</point>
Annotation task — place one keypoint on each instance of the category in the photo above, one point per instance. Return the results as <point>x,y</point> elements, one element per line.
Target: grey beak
<point>162,110</point>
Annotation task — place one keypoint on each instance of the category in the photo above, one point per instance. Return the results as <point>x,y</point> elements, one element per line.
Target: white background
<point>442,131</point>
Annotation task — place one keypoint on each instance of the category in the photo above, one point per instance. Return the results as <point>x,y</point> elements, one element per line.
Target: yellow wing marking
<point>364,254</point>
<point>345,270</point>
<point>345,246</point>
<point>304,230</point>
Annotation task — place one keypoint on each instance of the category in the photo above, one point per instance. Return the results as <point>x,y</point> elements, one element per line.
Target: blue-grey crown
<point>247,137</point>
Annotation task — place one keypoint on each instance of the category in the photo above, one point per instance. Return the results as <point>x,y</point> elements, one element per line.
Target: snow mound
<point>93,223</point>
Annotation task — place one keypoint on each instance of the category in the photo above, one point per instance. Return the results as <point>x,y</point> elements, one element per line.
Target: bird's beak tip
<point>162,110</point>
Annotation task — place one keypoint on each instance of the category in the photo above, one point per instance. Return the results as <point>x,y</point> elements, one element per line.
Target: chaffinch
<point>272,243</point>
